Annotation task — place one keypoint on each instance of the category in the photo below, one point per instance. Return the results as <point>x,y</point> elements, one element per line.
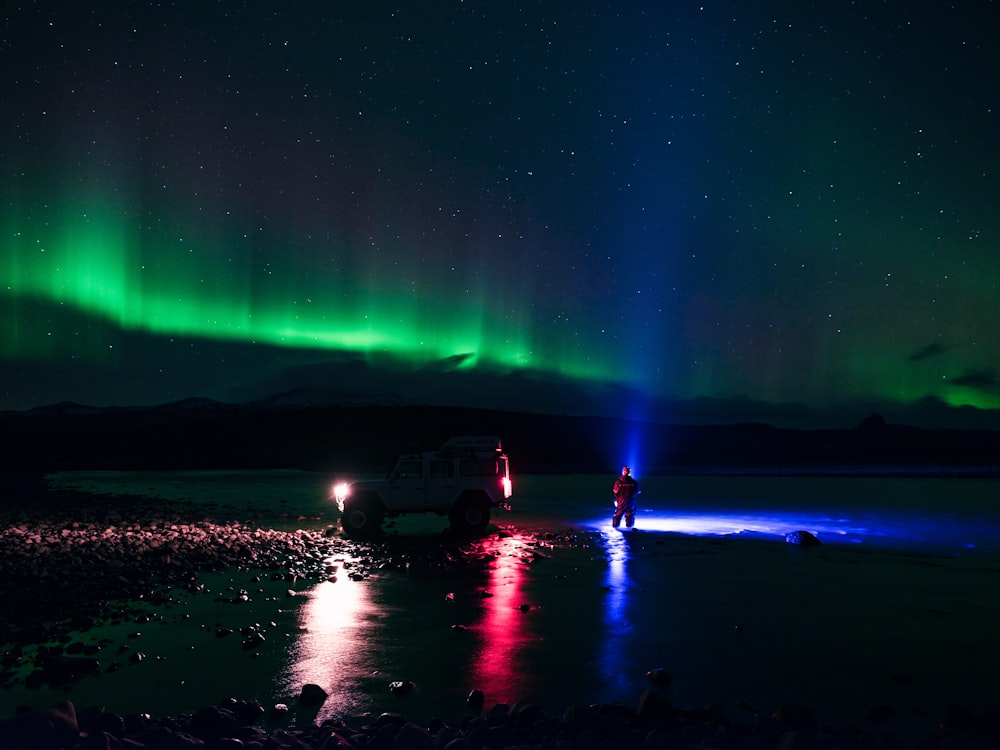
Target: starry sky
<point>691,211</point>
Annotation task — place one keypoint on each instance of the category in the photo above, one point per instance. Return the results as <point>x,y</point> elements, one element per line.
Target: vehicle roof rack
<point>473,443</point>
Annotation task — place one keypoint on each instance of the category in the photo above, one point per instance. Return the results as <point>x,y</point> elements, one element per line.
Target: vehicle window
<point>409,470</point>
<point>441,469</point>
<point>477,467</point>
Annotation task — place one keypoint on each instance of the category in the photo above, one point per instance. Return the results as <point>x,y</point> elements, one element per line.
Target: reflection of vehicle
<point>464,478</point>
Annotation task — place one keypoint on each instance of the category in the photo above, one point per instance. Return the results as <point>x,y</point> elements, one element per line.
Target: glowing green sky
<point>95,264</point>
<point>757,206</point>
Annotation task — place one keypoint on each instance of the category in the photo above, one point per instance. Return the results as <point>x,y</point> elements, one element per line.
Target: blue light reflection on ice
<point>940,530</point>
<point>616,622</point>
<point>927,515</point>
<point>717,523</point>
<point>881,529</point>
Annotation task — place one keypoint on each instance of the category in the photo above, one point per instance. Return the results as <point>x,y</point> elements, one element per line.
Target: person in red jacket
<point>625,490</point>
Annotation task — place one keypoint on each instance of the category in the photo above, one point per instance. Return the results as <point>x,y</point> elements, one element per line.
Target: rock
<point>181,740</point>
<point>578,717</point>
<point>312,695</point>
<point>476,699</point>
<point>659,677</point>
<point>525,714</point>
<point>413,737</point>
<point>248,711</point>
<point>279,711</point>
<point>802,538</point>
<point>384,736</point>
<point>616,713</point>
<point>212,723</point>
<point>498,714</point>
<point>337,741</point>
<point>653,707</point>
<point>389,717</point>
<point>52,727</point>
<point>401,687</point>
<point>98,721</point>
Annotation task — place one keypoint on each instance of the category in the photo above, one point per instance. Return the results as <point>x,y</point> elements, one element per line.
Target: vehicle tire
<point>470,515</point>
<point>361,517</point>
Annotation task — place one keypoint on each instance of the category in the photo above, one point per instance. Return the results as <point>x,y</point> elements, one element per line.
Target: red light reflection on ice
<point>503,629</point>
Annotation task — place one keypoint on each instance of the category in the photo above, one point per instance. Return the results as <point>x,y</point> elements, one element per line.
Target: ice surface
<point>891,609</point>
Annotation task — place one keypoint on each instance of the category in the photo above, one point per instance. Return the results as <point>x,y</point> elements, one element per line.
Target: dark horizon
<point>365,436</point>
<point>353,380</point>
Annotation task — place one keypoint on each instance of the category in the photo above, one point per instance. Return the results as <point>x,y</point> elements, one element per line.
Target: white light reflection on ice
<point>330,650</point>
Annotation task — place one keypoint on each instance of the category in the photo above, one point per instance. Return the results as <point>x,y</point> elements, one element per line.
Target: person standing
<point>625,490</point>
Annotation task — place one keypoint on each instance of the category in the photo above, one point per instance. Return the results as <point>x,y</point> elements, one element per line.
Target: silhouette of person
<point>625,490</point>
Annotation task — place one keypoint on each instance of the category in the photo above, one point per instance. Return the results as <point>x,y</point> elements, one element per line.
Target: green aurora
<point>93,262</point>
<point>761,208</point>
<point>110,276</point>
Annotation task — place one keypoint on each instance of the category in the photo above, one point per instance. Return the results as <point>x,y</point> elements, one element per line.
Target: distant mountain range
<point>325,430</point>
<point>298,397</point>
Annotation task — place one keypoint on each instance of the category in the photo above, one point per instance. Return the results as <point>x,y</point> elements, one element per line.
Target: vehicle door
<point>442,488</point>
<point>407,484</point>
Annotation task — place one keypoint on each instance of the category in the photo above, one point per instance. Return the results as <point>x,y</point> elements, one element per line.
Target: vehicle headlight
<point>340,492</point>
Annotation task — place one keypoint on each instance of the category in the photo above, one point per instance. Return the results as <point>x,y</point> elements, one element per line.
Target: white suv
<point>465,478</point>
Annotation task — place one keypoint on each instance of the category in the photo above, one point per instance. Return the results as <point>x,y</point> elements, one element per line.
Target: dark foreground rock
<point>654,725</point>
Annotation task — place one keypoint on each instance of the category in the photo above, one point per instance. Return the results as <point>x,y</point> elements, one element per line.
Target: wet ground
<point>188,591</point>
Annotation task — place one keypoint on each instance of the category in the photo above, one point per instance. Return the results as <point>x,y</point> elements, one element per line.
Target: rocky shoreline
<point>84,557</point>
<point>653,724</point>
<point>84,553</point>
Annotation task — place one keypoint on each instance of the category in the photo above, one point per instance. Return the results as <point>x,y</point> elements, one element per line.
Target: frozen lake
<point>920,514</point>
<point>894,608</point>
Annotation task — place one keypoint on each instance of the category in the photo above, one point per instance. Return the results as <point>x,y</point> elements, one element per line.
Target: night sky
<point>715,211</point>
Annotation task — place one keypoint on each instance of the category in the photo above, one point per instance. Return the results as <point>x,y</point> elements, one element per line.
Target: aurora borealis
<point>765,208</point>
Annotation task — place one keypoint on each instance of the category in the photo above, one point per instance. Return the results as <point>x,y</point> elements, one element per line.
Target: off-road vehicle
<point>465,478</point>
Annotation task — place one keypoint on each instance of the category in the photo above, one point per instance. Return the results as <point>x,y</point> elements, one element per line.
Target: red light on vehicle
<point>508,488</point>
